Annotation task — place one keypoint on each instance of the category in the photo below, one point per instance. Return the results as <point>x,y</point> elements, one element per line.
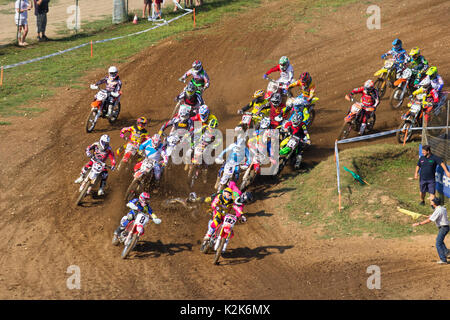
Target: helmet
<point>258,94</point>
<point>104,142</point>
<point>141,123</point>
<point>397,43</point>
<point>300,102</point>
<point>284,63</point>
<point>265,123</point>
<point>276,99</point>
<point>426,83</point>
<point>245,197</point>
<point>368,85</point>
<point>204,112</point>
<point>230,191</point>
<point>305,79</point>
<point>197,65</point>
<point>190,89</point>
<point>184,112</point>
<point>156,140</point>
<point>414,53</point>
<point>213,123</point>
<point>297,119</point>
<point>113,72</point>
<point>432,72</point>
<point>144,197</point>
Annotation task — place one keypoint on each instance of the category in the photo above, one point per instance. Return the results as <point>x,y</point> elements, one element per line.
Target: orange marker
<point>194,17</point>
<point>1,76</point>
<point>92,52</point>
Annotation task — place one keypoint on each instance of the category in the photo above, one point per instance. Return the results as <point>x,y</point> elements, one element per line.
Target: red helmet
<point>144,198</point>
<point>305,79</point>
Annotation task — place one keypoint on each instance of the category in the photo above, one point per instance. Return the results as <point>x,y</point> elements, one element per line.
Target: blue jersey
<point>146,209</point>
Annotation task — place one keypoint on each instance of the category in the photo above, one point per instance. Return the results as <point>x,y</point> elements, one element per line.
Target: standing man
<point>439,217</point>
<point>427,165</point>
<point>41,9</point>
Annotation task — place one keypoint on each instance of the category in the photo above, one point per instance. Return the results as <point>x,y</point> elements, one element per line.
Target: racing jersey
<point>135,135</point>
<point>113,85</point>
<point>94,151</point>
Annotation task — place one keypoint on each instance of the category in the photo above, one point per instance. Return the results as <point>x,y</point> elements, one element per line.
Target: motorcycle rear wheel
<point>401,134</point>
<point>133,191</point>
<point>83,193</point>
<point>114,113</point>
<point>126,251</point>
<point>394,102</point>
<point>219,251</point>
<point>90,122</point>
<point>346,128</point>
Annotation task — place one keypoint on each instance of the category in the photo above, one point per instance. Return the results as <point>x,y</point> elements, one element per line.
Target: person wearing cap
<point>427,165</point>
<point>439,217</point>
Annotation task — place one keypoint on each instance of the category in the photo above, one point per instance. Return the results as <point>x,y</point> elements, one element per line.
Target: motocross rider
<point>432,84</point>
<point>154,150</point>
<point>191,98</point>
<point>135,135</point>
<point>398,53</point>
<point>300,104</point>
<point>143,205</point>
<point>226,200</point>
<point>286,71</point>
<point>296,127</point>
<point>113,85</point>
<point>369,99</point>
<point>277,109</point>
<point>239,155</point>
<point>307,86</point>
<point>418,64</point>
<point>256,104</point>
<point>199,76</point>
<point>100,150</point>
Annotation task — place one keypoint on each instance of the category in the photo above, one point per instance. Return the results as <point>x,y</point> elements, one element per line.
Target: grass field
<point>38,80</point>
<point>366,209</point>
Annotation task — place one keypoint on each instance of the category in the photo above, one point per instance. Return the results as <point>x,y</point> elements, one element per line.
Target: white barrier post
<point>336,158</point>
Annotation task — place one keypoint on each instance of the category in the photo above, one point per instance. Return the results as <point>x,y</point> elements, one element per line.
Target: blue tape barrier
<point>188,11</point>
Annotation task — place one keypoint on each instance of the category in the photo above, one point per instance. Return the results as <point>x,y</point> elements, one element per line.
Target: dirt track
<point>270,258</point>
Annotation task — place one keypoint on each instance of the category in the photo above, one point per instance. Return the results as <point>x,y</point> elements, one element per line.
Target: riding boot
<point>362,129</point>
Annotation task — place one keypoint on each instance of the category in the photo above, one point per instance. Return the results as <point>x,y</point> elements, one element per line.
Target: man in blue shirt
<point>427,165</point>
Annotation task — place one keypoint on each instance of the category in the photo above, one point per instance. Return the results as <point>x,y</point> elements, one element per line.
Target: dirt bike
<point>273,87</point>
<point>386,76</point>
<point>249,120</point>
<point>411,119</point>
<point>221,235</point>
<point>310,108</point>
<point>252,171</point>
<point>131,148</point>
<point>403,87</point>
<point>141,179</point>
<point>197,165</point>
<point>226,174</point>
<point>354,117</point>
<point>105,103</point>
<point>134,229</point>
<point>291,149</point>
<point>92,177</point>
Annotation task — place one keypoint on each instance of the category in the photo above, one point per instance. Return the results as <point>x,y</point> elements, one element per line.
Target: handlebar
<point>93,87</point>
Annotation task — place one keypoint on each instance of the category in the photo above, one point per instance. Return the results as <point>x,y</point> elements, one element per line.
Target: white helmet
<point>184,112</point>
<point>104,142</point>
<point>113,71</point>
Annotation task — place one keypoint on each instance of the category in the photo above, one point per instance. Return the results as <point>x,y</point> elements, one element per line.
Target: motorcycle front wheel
<point>127,249</point>
<point>82,193</point>
<point>394,101</point>
<point>219,251</point>
<point>133,191</point>
<point>91,122</point>
<point>380,85</point>
<point>345,131</point>
<point>404,133</point>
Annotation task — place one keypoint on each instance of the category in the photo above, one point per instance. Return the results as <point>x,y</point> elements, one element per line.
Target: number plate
<point>292,143</point>
<point>101,95</point>
<point>416,108</point>
<point>388,64</point>
<point>230,219</point>
<point>98,166</point>
<point>246,119</point>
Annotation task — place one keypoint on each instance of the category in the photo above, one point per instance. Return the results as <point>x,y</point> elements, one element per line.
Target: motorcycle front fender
<point>380,73</point>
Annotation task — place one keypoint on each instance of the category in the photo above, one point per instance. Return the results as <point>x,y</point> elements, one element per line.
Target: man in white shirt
<point>439,217</point>
<point>21,17</point>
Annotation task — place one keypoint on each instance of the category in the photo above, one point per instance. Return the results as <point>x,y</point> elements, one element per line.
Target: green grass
<point>39,80</point>
<point>366,209</point>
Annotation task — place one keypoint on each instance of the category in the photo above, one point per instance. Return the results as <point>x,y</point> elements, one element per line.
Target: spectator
<point>147,5</point>
<point>157,9</point>
<point>40,11</point>
<point>439,217</point>
<point>21,17</point>
<point>427,165</point>
<point>198,3</point>
<point>177,5</point>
